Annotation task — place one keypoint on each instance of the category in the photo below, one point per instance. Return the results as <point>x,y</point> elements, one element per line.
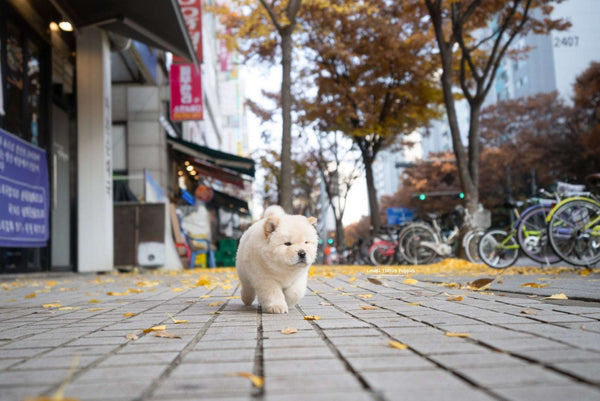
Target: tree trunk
<point>285,190</point>
<point>372,193</point>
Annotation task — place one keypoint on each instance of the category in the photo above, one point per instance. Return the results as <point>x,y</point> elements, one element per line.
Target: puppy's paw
<point>276,309</point>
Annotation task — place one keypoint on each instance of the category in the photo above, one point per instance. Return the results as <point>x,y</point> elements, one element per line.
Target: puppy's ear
<point>312,220</point>
<point>270,226</point>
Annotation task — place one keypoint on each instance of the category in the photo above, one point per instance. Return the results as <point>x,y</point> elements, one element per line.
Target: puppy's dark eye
<point>288,244</point>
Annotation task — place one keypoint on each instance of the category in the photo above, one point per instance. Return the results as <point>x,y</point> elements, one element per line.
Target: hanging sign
<point>186,92</point>
<point>24,195</point>
<point>192,15</point>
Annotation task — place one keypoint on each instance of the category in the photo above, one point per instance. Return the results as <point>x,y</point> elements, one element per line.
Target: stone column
<point>94,159</point>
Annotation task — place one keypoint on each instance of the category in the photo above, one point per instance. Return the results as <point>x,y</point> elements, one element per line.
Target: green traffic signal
<point>422,197</point>
<point>461,195</point>
<point>330,241</point>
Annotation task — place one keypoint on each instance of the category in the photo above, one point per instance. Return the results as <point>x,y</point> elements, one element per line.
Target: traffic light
<point>330,241</point>
<point>461,195</point>
<point>422,197</point>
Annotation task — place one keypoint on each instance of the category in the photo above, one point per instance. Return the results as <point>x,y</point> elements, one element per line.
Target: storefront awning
<point>231,203</point>
<point>222,159</point>
<point>157,23</point>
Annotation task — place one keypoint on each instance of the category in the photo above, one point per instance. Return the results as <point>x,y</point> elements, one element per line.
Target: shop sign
<point>192,15</point>
<point>204,193</point>
<point>23,193</point>
<point>186,92</point>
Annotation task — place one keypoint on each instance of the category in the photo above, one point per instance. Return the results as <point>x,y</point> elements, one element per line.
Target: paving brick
<point>517,375</point>
<point>547,392</point>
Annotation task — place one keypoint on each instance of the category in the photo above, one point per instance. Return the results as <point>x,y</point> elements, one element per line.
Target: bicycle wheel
<point>533,236</point>
<point>411,241</point>
<point>574,232</point>
<point>381,255</point>
<point>498,248</point>
<point>470,242</point>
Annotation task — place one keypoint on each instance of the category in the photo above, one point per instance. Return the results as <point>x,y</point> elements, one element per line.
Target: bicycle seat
<point>432,215</point>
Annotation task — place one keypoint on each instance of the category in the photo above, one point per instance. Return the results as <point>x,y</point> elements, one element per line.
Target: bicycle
<point>574,227</point>
<point>384,249</point>
<point>500,248</point>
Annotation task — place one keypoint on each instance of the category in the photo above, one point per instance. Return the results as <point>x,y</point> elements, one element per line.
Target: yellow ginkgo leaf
<point>204,296</point>
<point>32,295</point>
<point>369,307</point>
<point>93,301</point>
<point>397,344</point>
<point>67,308</point>
<point>257,381</point>
<point>128,314</point>
<point>352,279</point>
<point>176,289</point>
<point>365,295</point>
<point>215,303</point>
<point>289,330</point>
<point>203,282</point>
<point>175,320</point>
<point>165,334</point>
<point>462,335</point>
<point>56,305</point>
<point>414,303</point>
<point>312,317</point>
<point>562,295</point>
<point>135,291</point>
<point>454,298</point>
<point>155,328</point>
<point>95,309</point>
<point>233,297</point>
<point>534,285</point>
<point>410,281</point>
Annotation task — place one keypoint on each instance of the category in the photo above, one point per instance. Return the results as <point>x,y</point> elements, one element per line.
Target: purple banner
<point>23,193</point>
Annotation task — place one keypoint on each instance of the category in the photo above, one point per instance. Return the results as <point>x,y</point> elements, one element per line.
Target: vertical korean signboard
<point>192,15</point>
<point>185,78</point>
<point>186,92</point>
<point>23,193</point>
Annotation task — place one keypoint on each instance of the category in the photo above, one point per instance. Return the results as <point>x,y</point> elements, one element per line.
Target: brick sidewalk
<point>551,352</point>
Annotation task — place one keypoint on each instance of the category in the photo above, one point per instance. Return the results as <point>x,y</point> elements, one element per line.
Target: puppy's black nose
<point>302,254</point>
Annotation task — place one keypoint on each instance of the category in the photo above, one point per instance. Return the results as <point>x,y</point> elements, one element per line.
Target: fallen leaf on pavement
<point>312,317</point>
<point>176,289</point>
<point>289,330</point>
<point>257,381</point>
<point>117,294</point>
<point>165,334</point>
<point>52,305</point>
<point>203,282</point>
<point>234,297</point>
<point>369,307</point>
<point>326,303</point>
<point>557,296</point>
<point>215,303</point>
<point>131,336</point>
<point>454,298</point>
<point>68,308</point>
<point>410,281</point>
<point>375,281</point>
<point>93,301</point>
<point>397,344</point>
<point>128,314</point>
<point>352,279</point>
<point>204,296</point>
<point>528,312</point>
<point>534,285</point>
<point>175,320</point>
<point>155,328</point>
<point>462,335</point>
<point>95,309</point>
<point>482,283</point>
<point>32,295</point>
<point>532,296</point>
<point>414,303</point>
<point>365,295</point>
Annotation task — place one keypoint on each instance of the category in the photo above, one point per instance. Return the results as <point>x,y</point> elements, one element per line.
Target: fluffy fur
<point>273,259</point>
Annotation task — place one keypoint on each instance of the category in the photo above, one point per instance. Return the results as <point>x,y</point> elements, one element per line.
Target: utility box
<point>139,234</point>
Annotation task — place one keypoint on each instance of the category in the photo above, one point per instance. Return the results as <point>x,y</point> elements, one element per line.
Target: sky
<point>259,78</point>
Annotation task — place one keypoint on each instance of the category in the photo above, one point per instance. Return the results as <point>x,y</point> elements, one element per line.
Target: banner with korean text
<point>186,92</point>
<point>192,15</point>
<point>24,198</point>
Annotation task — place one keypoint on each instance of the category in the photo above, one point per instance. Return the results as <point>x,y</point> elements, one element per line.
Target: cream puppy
<point>273,259</point>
